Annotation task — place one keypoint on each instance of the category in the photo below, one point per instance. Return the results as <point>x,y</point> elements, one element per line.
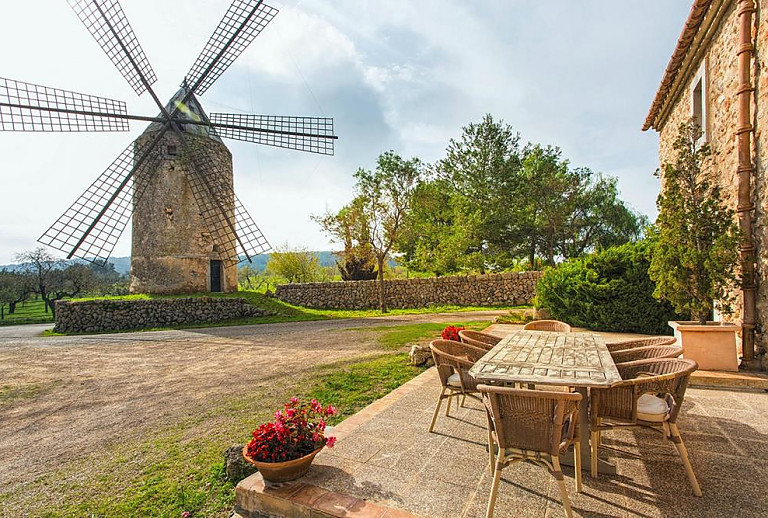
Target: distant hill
<point>123,264</point>
<point>260,262</point>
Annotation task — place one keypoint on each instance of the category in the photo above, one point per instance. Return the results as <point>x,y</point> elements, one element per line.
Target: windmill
<point>189,228</point>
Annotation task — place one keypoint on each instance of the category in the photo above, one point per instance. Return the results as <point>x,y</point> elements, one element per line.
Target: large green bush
<point>606,291</point>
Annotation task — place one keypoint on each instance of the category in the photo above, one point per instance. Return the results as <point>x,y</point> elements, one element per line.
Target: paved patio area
<point>386,456</point>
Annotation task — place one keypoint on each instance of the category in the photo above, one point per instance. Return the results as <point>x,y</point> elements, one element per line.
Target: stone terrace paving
<point>387,464</point>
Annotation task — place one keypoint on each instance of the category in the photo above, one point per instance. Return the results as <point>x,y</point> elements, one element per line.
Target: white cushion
<point>652,409</point>
<point>454,379</point>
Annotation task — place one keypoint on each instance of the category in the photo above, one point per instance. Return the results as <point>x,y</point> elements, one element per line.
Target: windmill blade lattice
<point>31,107</point>
<point>310,134</point>
<point>106,22</point>
<point>214,197</point>
<point>252,241</point>
<point>91,226</point>
<point>242,22</point>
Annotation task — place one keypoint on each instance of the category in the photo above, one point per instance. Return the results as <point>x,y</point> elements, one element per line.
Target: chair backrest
<point>548,325</point>
<point>646,353</point>
<point>641,342</point>
<point>668,376</point>
<point>478,339</point>
<point>531,419</point>
<point>453,357</point>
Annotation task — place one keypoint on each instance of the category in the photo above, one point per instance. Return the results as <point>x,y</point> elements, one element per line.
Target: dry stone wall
<point>94,316</point>
<point>469,290</point>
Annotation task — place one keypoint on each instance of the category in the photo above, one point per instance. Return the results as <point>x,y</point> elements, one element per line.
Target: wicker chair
<point>646,353</point>
<point>548,325</point>
<point>531,425</point>
<point>453,361</point>
<point>478,339</point>
<point>641,342</point>
<point>650,395</point>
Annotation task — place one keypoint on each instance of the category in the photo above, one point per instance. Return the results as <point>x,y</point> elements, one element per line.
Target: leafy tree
<point>52,279</point>
<point>251,278</point>
<point>695,234</point>
<point>599,218</point>
<point>374,221</point>
<point>39,265</point>
<point>350,227</point>
<point>384,196</point>
<point>14,288</point>
<point>482,168</point>
<point>442,231</point>
<point>295,265</point>
<point>559,211</point>
<point>71,281</point>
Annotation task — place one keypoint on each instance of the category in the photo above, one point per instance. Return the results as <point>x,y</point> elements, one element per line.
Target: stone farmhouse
<point>717,74</point>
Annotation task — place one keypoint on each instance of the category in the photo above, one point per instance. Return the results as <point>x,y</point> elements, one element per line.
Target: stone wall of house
<point>93,316</point>
<point>760,152</point>
<point>722,81</point>
<point>468,290</point>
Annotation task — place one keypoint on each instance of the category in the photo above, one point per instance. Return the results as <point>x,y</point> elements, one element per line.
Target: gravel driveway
<point>76,395</point>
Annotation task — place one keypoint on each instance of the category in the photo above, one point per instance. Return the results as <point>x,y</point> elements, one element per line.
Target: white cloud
<point>297,45</point>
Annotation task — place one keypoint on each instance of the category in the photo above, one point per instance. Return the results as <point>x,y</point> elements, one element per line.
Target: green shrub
<point>606,291</point>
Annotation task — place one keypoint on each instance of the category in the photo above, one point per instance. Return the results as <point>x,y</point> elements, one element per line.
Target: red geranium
<point>451,333</point>
<point>298,430</point>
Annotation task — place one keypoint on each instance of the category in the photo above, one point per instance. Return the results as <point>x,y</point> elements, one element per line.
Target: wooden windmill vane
<point>189,228</point>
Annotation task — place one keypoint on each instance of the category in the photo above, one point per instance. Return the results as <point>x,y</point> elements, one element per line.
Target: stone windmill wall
<point>173,251</point>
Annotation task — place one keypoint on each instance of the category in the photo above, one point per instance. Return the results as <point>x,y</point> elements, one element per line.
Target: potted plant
<point>283,449</point>
<point>695,253</point>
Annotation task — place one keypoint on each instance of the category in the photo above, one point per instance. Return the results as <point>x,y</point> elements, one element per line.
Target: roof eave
<point>687,35</point>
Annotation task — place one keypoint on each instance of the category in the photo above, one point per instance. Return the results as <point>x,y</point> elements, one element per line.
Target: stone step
<point>255,498</point>
<point>722,379</point>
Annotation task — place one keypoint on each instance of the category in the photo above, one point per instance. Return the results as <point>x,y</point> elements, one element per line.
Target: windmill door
<point>215,276</point>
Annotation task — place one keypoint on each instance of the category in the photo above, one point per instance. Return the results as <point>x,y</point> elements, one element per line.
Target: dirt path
<point>62,398</point>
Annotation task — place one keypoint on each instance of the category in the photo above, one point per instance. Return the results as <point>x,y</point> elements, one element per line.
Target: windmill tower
<point>173,250</point>
<point>189,228</point>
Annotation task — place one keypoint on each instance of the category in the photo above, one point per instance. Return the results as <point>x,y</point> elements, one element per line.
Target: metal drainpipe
<point>745,170</point>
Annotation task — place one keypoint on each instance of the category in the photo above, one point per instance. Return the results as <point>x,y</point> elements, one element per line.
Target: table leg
<point>567,459</point>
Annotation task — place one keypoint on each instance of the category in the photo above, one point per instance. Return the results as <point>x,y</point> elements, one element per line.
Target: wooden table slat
<point>575,359</point>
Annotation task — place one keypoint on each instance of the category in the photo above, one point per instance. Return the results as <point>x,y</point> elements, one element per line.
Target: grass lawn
<point>285,312</point>
<point>395,337</point>
<point>29,312</point>
<point>180,467</point>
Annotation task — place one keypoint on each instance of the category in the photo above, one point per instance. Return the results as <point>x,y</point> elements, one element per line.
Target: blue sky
<point>400,75</point>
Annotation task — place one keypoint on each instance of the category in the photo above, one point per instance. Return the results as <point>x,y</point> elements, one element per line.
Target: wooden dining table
<point>578,360</point>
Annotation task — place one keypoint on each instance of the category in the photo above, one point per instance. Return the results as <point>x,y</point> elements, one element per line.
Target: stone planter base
<point>712,346</point>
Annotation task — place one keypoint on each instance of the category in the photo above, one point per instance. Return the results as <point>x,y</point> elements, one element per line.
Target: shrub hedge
<point>606,291</point>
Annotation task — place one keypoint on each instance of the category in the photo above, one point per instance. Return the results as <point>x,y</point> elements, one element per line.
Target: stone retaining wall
<point>94,316</point>
<point>466,290</point>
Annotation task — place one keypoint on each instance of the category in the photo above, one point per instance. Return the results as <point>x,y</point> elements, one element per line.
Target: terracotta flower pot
<point>282,471</point>
<point>712,346</point>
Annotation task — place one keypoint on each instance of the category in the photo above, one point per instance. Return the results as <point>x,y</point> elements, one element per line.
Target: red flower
<point>295,432</point>
<point>451,333</point>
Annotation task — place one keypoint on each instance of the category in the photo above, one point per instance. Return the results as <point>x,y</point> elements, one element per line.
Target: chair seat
<point>651,408</point>
<point>454,380</point>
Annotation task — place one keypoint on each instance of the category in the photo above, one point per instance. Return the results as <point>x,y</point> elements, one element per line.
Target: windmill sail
<point>106,22</point>
<point>31,107</point>
<point>91,226</point>
<point>310,134</point>
<point>179,159</point>
<point>242,22</point>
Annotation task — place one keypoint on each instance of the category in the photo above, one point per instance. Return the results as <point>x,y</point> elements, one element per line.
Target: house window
<point>171,150</point>
<point>699,102</point>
